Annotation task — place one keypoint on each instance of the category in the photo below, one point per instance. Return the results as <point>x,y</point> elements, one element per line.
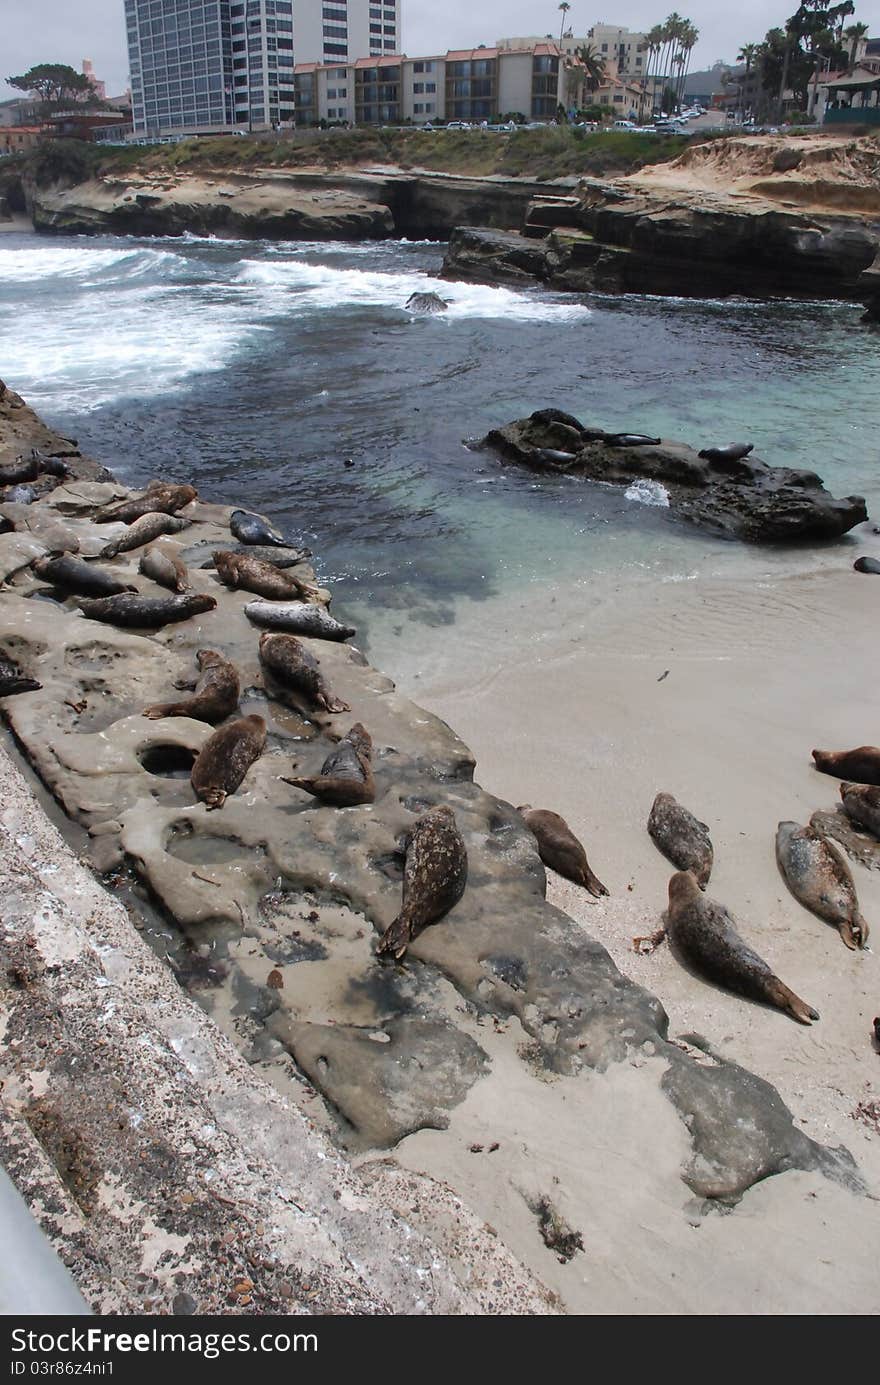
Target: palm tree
<point>690,34</point>
<point>747,54</point>
<point>654,39</point>
<point>595,66</point>
<point>855,33</point>
<point>565,7</point>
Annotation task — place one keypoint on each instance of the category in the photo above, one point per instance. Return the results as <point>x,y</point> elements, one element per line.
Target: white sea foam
<point>39,263</point>
<point>648,493</point>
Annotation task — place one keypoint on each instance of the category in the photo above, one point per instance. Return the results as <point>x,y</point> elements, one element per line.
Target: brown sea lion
<point>225,759</point>
<point>12,680</point>
<point>681,837</point>
<point>861,764</point>
<point>706,935</point>
<point>165,568</point>
<point>252,575</point>
<point>142,531</point>
<point>293,668</point>
<point>132,609</point>
<point>346,777</point>
<point>820,879</point>
<point>76,575</point>
<point>19,471</point>
<point>434,878</point>
<point>216,693</point>
<point>861,803</point>
<point>559,848</point>
<point>158,497</point>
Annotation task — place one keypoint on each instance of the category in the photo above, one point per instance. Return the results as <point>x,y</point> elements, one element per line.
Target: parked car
<point>458,125</point>
<point>624,125</point>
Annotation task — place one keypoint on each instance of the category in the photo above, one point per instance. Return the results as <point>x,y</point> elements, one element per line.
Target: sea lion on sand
<point>629,440</point>
<point>291,666</point>
<point>164,568</point>
<point>252,575</point>
<point>434,878</point>
<point>705,934</point>
<point>867,564</point>
<point>820,879</point>
<point>861,764</point>
<point>216,693</point>
<point>300,618</point>
<point>559,848</point>
<point>249,529</point>
<point>136,610</point>
<point>861,803</point>
<point>225,759</point>
<point>142,531</point>
<point>12,680</point>
<point>732,453</point>
<point>681,837</point>
<point>75,575</point>
<point>159,497</point>
<point>346,777</point>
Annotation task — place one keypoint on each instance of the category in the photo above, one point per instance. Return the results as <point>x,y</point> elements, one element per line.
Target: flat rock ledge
<point>743,499</point>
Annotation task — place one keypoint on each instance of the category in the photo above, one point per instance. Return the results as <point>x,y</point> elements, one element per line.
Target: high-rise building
<point>203,65</point>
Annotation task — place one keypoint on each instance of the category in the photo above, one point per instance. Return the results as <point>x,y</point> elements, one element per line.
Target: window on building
<point>430,86</point>
<point>375,28</point>
<point>336,50</point>
<point>389,29</point>
<point>390,45</point>
<point>418,88</point>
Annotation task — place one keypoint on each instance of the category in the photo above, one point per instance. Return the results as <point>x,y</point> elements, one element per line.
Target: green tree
<point>854,33</point>
<point>56,84</point>
<point>565,7</point>
<point>595,66</point>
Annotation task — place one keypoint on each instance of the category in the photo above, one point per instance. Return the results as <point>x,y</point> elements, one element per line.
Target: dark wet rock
<point>742,498</point>
<point>426,303</point>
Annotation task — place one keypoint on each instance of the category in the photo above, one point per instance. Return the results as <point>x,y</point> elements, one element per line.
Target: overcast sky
<point>33,31</point>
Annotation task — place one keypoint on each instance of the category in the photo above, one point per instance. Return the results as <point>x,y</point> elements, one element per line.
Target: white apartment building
<point>625,52</point>
<point>341,31</point>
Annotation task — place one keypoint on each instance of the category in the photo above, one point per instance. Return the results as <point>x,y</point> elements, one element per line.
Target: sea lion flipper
<point>854,932</point>
<point>785,998</point>
<point>395,940</point>
<point>594,884</point>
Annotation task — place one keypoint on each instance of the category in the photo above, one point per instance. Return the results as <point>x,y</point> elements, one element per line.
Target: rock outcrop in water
<point>743,498</point>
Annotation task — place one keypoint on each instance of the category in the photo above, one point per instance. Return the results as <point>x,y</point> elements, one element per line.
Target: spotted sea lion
<point>216,692</point>
<point>346,777</point>
<point>250,529</point>
<point>252,575</point>
<point>681,837</point>
<point>20,495</point>
<point>629,440</point>
<point>293,668</point>
<point>867,564</point>
<point>820,879</point>
<point>732,453</point>
<point>434,879</point>
<point>706,935</point>
<point>165,568</point>
<point>559,848</point>
<point>12,680</point>
<point>861,803</point>
<point>300,618</point>
<point>278,557</point>
<point>132,609</point>
<point>76,575</point>
<point>142,531</point>
<point>861,764</point>
<point>159,497</point>
<point>225,759</point>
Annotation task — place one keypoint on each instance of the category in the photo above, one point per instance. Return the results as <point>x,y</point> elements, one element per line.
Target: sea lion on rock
<point>225,759</point>
<point>861,764</point>
<point>434,879</point>
<point>681,837</point>
<point>559,848</point>
<point>20,495</point>
<point>49,466</point>
<point>252,575</point>
<point>19,471</point>
<point>250,529</point>
<point>867,565</point>
<point>706,935</point>
<point>292,667</point>
<point>142,531</point>
<point>136,610</point>
<point>299,618</point>
<point>861,803</point>
<point>629,440</point>
<point>346,777</point>
<point>6,525</point>
<point>277,557</point>
<point>164,568</point>
<point>76,575</point>
<point>159,497</point>
<point>734,452</point>
<point>216,693</point>
<point>552,456</point>
<point>12,680</point>
<point>820,879</point>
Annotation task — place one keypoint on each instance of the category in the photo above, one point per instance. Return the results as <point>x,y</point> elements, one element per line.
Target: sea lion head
<point>683,887</point>
<point>524,808</point>
<point>823,758</point>
<point>206,657</point>
<point>225,564</point>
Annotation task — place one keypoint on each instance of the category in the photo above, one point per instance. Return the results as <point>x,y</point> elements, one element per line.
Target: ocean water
<point>257,369</point>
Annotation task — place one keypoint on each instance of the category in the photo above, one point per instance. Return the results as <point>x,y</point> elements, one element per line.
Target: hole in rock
<point>169,761</point>
<point>202,850</point>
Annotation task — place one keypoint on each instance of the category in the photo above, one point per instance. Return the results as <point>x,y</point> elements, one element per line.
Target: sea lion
<point>426,303</point>
<point>216,692</point>
<point>551,456</point>
<point>252,575</point>
<point>861,764</point>
<point>434,878</point>
<point>291,666</point>
<point>867,564</point>
<point>559,848</point>
<point>6,525</point>
<point>76,575</point>
<point>12,680</point>
<point>278,557</point>
<point>164,568</point>
<point>734,452</point>
<point>629,440</point>
<point>706,935</point>
<point>50,466</point>
<point>820,879</point>
<point>225,759</point>
<point>681,837</point>
<point>250,529</point>
<point>159,498</point>
<point>20,495</point>
<point>861,803</point>
<point>132,609</point>
<point>346,777</point>
<point>19,471</point>
<point>142,531</point>
<point>300,618</point>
